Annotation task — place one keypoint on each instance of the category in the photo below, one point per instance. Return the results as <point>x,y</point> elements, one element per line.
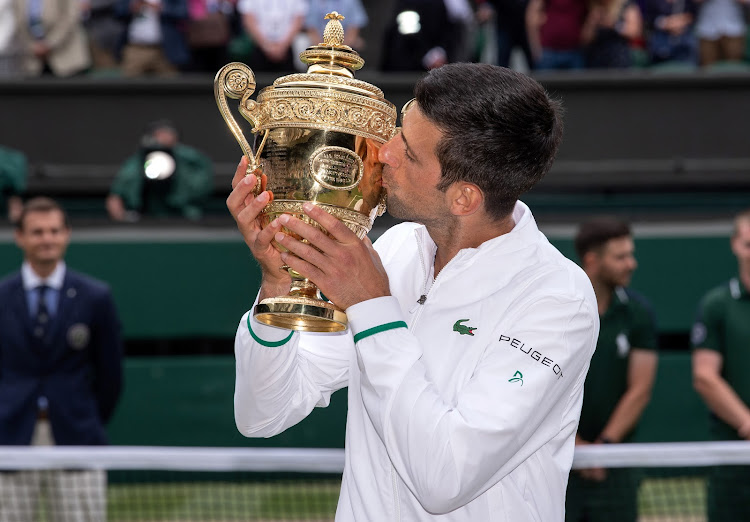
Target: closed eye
<point>407,150</point>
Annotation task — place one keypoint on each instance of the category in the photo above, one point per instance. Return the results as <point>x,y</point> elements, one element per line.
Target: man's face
<point>165,137</point>
<point>411,170</point>
<point>741,245</point>
<point>616,262</point>
<point>44,237</point>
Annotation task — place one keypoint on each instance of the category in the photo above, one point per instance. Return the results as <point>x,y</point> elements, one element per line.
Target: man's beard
<point>397,209</point>
<point>613,281</point>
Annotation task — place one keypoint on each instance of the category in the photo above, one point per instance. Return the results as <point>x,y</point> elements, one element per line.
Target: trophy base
<point>303,314</point>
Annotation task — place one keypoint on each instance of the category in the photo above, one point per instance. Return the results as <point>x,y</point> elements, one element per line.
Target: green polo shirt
<point>13,173</point>
<point>723,324</point>
<point>628,323</point>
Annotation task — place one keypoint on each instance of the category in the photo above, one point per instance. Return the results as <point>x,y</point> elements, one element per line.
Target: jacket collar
<point>524,232</point>
<point>737,289</point>
<point>31,280</point>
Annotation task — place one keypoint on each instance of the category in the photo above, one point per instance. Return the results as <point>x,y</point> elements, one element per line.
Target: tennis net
<point>664,482</point>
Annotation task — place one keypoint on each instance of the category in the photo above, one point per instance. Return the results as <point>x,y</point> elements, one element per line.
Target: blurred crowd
<point>165,37</point>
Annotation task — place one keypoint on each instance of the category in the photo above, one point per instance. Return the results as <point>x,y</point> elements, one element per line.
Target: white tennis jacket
<point>462,408</point>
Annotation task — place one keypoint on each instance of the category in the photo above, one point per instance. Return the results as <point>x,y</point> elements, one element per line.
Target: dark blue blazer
<point>77,366</point>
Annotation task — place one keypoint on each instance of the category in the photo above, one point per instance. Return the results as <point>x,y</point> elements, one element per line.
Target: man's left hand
<point>345,268</point>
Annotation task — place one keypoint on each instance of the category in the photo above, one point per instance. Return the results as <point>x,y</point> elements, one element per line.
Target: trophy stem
<point>301,309</point>
<point>303,287</point>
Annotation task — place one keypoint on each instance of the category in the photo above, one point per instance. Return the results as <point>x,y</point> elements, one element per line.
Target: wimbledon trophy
<point>316,137</point>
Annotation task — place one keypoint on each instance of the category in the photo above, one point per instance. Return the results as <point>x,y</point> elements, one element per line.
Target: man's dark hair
<point>163,123</point>
<point>40,204</point>
<point>593,234</point>
<point>500,129</point>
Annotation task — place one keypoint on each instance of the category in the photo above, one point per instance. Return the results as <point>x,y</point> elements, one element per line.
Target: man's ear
<point>590,261</point>
<point>465,198</point>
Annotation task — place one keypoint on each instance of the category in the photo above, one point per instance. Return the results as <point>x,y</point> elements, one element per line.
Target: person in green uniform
<point>621,376</point>
<point>721,354</point>
<point>164,178</point>
<point>14,169</point>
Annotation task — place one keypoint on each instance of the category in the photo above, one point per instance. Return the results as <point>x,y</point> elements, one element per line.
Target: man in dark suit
<point>60,367</point>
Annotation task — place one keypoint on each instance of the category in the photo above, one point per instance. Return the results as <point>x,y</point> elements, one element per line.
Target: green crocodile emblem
<point>462,328</point>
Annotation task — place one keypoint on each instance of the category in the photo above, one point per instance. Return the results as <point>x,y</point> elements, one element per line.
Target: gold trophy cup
<point>316,136</point>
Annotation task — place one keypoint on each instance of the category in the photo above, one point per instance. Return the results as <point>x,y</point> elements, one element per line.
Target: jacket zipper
<point>426,290</point>
<point>427,284</point>
<point>396,500</point>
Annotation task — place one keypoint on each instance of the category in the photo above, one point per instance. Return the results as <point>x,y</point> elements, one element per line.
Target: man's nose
<point>385,154</point>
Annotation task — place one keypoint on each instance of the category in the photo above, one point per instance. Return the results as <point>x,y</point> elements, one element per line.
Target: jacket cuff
<point>265,335</point>
<point>374,316</point>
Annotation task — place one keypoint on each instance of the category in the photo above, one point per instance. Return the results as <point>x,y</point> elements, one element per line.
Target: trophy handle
<point>237,81</point>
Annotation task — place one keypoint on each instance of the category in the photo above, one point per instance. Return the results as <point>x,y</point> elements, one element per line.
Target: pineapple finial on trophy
<point>333,35</point>
<point>332,56</point>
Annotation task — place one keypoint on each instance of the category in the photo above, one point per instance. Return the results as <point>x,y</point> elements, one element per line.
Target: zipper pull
<point>420,301</point>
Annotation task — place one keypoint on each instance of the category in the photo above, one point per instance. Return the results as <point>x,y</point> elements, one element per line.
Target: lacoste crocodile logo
<point>462,328</point>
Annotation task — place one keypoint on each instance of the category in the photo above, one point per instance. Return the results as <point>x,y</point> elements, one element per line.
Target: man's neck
<point>745,279</point>
<point>459,234</point>
<point>43,270</point>
<point>604,294</point>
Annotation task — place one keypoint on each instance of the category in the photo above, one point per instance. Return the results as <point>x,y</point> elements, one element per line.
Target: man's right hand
<point>245,208</point>
<point>594,474</point>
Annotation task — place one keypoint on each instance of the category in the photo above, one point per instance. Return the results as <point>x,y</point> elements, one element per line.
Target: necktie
<point>42,313</point>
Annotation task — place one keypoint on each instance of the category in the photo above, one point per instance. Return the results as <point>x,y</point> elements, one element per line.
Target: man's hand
<point>245,208</point>
<point>40,48</point>
<point>594,474</point>
<point>346,269</point>
<point>115,207</point>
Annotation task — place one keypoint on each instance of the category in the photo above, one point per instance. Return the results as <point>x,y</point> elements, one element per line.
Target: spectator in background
<point>510,27</point>
<point>104,30</point>
<point>9,51</point>
<point>610,27</point>
<point>14,170</point>
<point>721,355</point>
<point>164,178</point>
<point>670,28</point>
<point>355,18</point>
<point>721,31</point>
<point>464,26</point>
<point>621,376</point>
<point>418,36</point>
<point>153,42</point>
<point>51,37</point>
<point>272,25</point>
<point>554,32</point>
<point>209,32</point>
<point>61,371</point>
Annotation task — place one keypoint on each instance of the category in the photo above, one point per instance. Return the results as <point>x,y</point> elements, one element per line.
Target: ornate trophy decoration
<point>316,137</point>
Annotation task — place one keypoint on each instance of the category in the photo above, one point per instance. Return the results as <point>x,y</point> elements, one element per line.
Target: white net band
<point>305,460</point>
<point>314,460</point>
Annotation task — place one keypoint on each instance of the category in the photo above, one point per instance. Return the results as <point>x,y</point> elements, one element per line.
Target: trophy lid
<point>328,95</point>
<point>331,63</point>
<point>332,56</point>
